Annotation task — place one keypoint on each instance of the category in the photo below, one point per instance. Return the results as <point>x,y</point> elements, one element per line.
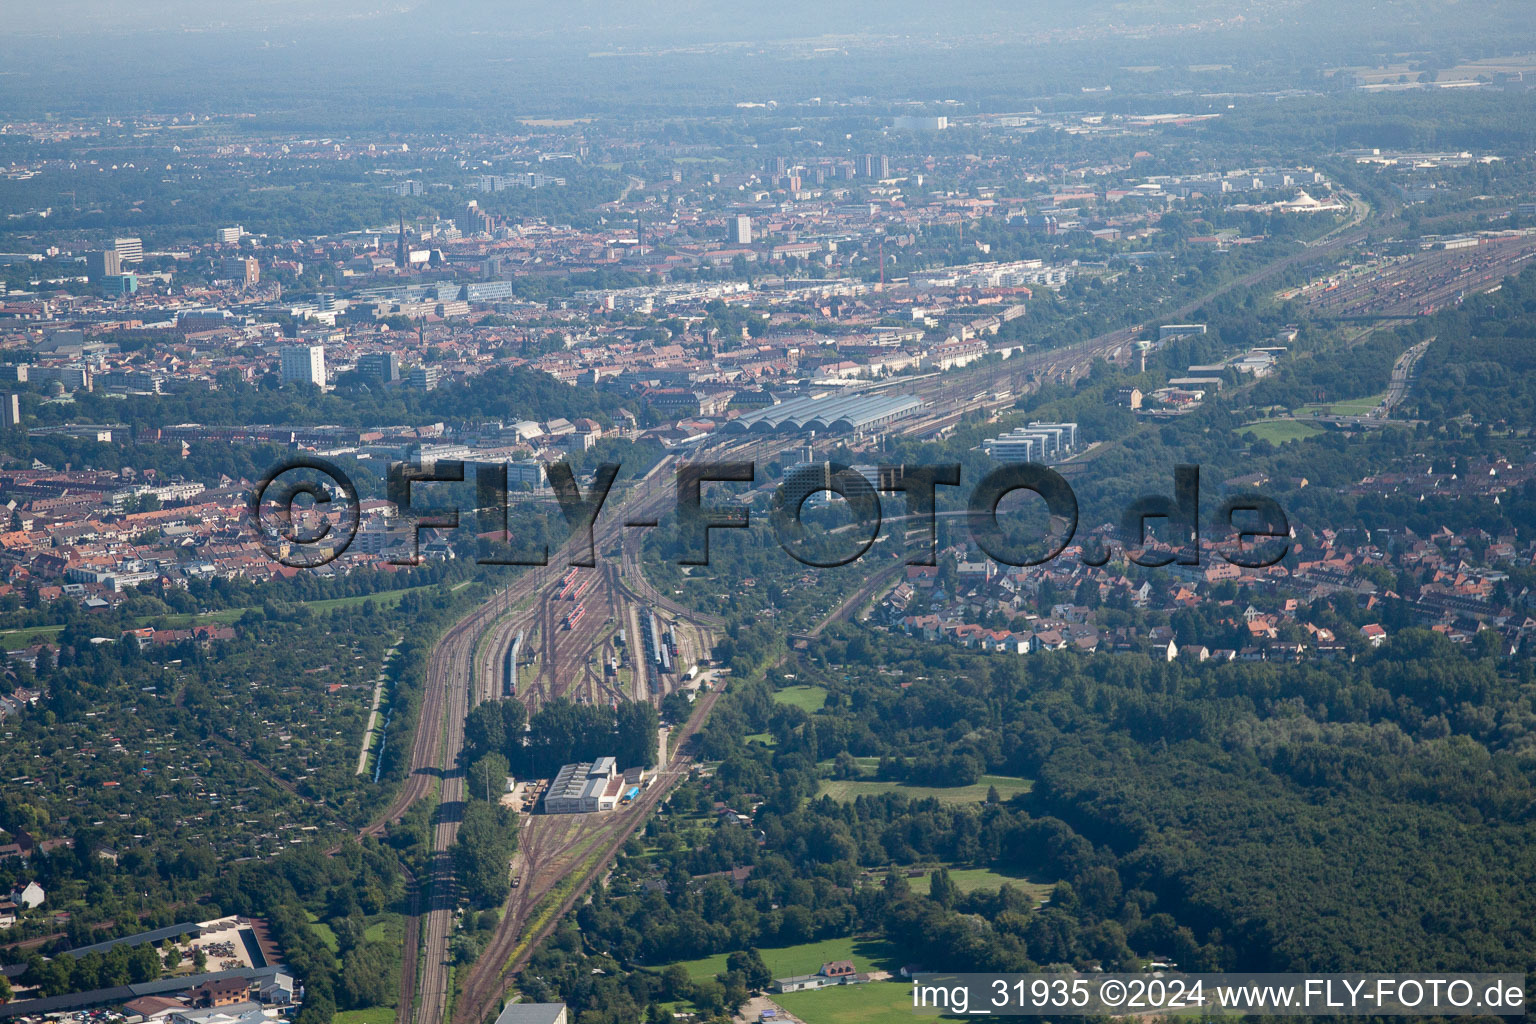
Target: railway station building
<point>834,414</point>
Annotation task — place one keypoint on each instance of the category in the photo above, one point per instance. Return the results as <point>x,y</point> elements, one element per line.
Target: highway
<point>1402,378</point>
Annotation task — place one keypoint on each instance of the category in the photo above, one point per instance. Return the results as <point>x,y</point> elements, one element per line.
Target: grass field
<point>1348,407</point>
<point>385,928</point>
<point>807,698</point>
<point>970,880</point>
<point>866,954</point>
<point>372,1015</point>
<point>1279,431</point>
<point>383,599</point>
<point>323,930</point>
<point>15,639</point>
<point>879,1002</point>
<point>847,789</point>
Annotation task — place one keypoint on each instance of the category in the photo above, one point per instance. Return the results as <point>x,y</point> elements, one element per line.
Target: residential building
<point>129,250</point>
<point>29,896</point>
<point>304,364</point>
<point>221,992</point>
<point>102,264</point>
<point>423,378</point>
<point>243,270</point>
<point>873,165</point>
<point>380,366</point>
<point>741,230</point>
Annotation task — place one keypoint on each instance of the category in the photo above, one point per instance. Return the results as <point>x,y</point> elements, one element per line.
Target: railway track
<point>454,665</point>
<point>586,844</point>
<point>454,683</point>
<point>426,748</point>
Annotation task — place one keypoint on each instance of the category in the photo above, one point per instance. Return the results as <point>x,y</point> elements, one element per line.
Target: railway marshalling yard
<point>570,626</point>
<point>580,639</point>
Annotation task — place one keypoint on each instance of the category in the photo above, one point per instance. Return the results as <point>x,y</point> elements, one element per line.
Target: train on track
<point>660,643</point>
<point>509,678</point>
<point>573,616</point>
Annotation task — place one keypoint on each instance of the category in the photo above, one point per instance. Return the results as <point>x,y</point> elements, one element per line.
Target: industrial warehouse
<point>599,786</point>
<point>836,414</point>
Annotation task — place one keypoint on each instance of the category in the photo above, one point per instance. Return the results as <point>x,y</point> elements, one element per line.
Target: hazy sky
<point>63,55</point>
<point>686,19</point>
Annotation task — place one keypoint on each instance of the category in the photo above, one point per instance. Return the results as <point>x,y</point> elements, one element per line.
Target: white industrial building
<point>1168,332</point>
<point>583,788</point>
<point>533,1013</point>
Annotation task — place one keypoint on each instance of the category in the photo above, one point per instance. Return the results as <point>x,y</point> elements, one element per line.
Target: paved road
<point>1402,377</point>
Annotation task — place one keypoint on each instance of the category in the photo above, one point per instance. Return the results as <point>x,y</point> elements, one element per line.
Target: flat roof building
<point>741,230</point>
<point>1035,443</point>
<point>105,263</point>
<point>380,366</point>
<point>304,363</point>
<point>423,377</point>
<point>532,1013</point>
<point>1014,447</point>
<point>1167,332</point>
<point>129,250</point>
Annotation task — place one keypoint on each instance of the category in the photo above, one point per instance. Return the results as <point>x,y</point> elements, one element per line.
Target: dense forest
<point>1244,817</point>
<point>561,731</point>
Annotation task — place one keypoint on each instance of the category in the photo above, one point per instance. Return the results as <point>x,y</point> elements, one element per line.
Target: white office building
<point>1038,442</point>
<point>1016,446</point>
<point>1063,436</point>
